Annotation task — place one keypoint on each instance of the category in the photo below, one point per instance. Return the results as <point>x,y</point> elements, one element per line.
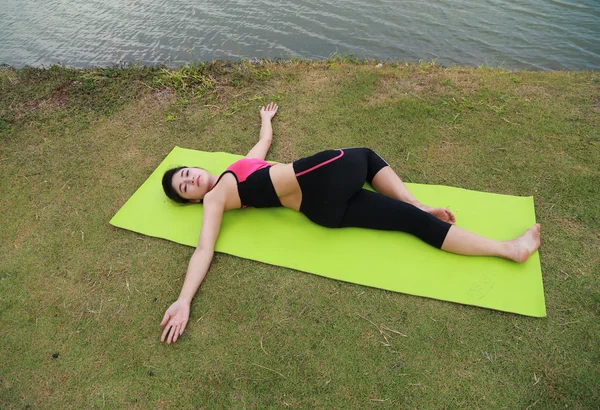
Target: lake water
<point>532,34</point>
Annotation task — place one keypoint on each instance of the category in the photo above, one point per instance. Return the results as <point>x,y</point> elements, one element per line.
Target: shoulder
<point>225,193</point>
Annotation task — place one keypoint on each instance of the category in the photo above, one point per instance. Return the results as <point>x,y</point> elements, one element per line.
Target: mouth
<point>198,181</point>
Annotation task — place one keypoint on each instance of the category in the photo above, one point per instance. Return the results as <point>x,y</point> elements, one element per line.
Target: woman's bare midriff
<point>284,181</point>
<point>286,185</point>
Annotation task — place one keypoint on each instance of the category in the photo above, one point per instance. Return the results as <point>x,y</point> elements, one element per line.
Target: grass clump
<point>191,80</point>
<point>197,79</point>
<point>80,301</point>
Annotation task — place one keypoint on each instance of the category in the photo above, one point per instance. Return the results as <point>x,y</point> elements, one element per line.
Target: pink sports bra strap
<point>246,166</point>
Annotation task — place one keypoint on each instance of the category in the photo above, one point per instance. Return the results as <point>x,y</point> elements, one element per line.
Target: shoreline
<point>335,57</point>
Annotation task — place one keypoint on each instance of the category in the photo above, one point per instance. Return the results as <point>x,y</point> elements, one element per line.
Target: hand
<point>175,319</point>
<point>268,112</point>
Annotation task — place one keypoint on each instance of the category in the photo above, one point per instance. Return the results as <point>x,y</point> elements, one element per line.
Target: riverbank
<point>80,301</point>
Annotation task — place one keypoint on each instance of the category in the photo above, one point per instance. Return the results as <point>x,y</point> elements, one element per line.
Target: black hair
<point>167,183</point>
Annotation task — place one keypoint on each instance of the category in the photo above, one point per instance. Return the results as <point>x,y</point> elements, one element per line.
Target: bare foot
<point>526,244</point>
<point>441,213</point>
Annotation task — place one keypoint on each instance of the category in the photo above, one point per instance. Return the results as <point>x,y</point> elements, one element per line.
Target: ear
<point>196,201</point>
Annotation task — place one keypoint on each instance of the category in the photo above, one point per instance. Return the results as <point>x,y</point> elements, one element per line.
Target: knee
<point>326,222</point>
<point>375,164</point>
<point>368,151</point>
<point>323,218</point>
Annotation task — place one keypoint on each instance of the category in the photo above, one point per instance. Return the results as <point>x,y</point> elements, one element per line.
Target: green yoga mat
<point>387,260</point>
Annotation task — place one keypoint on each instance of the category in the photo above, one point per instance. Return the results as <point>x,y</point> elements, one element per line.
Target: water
<point>532,34</point>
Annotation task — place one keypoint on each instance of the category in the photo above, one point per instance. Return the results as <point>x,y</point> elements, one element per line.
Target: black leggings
<point>333,196</point>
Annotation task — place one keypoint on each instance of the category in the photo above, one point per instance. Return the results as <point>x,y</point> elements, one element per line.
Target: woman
<point>327,188</point>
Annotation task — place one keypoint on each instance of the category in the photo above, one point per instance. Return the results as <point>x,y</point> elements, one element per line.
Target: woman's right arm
<point>177,315</point>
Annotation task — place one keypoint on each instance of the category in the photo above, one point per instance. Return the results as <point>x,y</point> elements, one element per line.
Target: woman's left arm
<point>266,132</point>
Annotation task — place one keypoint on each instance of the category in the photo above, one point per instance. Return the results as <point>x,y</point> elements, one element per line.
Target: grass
<point>80,301</point>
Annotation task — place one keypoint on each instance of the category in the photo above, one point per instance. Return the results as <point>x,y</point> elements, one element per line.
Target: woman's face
<point>191,183</point>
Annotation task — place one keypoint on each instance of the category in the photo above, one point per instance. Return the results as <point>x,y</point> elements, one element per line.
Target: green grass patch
<point>80,301</point>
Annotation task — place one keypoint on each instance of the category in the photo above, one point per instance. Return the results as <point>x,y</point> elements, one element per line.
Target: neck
<point>213,181</point>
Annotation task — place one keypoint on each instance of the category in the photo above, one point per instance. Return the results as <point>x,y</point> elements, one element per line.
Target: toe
<point>451,217</point>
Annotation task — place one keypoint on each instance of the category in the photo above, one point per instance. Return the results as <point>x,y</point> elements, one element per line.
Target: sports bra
<point>254,183</point>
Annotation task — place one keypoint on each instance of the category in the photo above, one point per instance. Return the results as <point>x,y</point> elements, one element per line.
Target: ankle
<point>511,250</point>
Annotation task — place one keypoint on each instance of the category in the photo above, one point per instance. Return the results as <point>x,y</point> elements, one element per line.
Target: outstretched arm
<point>177,315</point>
<point>266,132</point>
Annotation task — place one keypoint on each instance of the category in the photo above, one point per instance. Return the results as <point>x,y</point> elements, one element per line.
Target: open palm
<point>175,320</point>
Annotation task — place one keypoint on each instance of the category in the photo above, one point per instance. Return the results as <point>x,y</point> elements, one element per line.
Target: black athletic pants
<point>333,196</point>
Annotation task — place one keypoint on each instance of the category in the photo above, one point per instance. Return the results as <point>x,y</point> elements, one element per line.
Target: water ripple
<point>536,34</point>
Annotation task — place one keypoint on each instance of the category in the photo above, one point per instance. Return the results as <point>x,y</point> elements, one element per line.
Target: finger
<point>171,334</point>
<point>165,318</point>
<point>177,333</point>
<point>183,327</point>
<point>164,333</point>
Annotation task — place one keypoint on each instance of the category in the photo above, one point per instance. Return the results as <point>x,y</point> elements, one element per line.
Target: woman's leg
<point>463,242</point>
<point>373,210</point>
<point>387,182</point>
